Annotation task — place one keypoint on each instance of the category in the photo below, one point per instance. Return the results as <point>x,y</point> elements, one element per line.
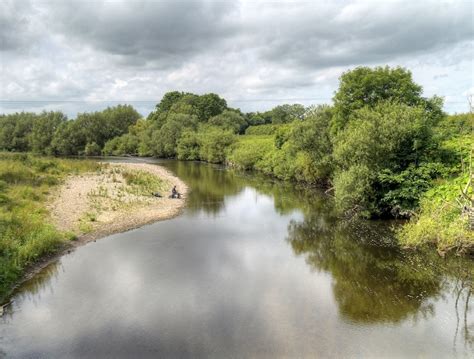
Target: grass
<point>25,236</point>
<point>440,220</point>
<point>141,183</point>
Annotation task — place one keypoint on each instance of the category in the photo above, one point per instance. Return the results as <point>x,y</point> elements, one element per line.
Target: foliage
<point>43,130</point>
<point>262,130</point>
<point>214,143</point>
<point>440,220</point>
<point>286,113</point>
<point>229,120</point>
<point>364,86</point>
<point>92,149</point>
<point>250,151</point>
<point>188,146</point>
<point>165,140</point>
<point>386,140</point>
<point>25,234</point>
<point>312,137</point>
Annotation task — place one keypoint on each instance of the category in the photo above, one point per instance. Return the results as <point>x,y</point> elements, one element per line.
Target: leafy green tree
<point>165,140</point>
<point>118,119</point>
<point>43,130</point>
<point>286,113</point>
<point>313,137</point>
<point>67,140</point>
<point>365,86</point>
<point>169,99</point>
<point>209,105</point>
<point>229,120</point>
<point>92,149</point>
<point>188,146</point>
<point>214,143</point>
<point>379,142</point>
<point>15,130</point>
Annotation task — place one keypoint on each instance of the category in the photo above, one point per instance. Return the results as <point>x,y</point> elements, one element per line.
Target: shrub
<point>214,144</point>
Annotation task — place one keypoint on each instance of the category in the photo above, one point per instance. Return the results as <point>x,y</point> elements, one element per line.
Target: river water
<point>252,268</point>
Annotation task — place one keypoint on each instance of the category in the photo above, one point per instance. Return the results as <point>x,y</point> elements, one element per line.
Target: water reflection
<point>252,268</point>
<point>373,281</point>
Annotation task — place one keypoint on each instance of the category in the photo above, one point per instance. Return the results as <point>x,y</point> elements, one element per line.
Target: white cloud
<point>79,57</point>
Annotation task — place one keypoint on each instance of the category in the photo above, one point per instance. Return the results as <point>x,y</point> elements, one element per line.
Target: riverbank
<point>115,199</point>
<point>50,206</point>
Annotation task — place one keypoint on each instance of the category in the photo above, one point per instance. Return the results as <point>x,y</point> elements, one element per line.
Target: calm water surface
<point>250,269</point>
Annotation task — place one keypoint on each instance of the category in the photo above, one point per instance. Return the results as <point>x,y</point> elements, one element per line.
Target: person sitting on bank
<point>175,193</point>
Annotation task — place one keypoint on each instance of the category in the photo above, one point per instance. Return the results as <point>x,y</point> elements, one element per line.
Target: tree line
<point>378,148</point>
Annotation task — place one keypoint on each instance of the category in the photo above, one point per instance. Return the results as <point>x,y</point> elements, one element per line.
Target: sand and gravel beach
<point>94,205</point>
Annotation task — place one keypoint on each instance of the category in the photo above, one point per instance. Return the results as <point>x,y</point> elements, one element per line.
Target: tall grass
<point>25,235</point>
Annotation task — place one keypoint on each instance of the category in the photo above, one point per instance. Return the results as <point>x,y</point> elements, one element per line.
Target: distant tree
<point>15,130</point>
<point>313,137</point>
<point>43,130</point>
<point>92,149</point>
<point>256,119</point>
<point>165,139</point>
<point>67,140</point>
<point>286,113</point>
<point>188,145</point>
<point>169,99</point>
<point>210,105</point>
<point>118,119</point>
<point>214,142</point>
<point>229,120</point>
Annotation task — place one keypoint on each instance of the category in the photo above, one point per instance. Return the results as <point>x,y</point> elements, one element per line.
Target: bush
<point>214,144</point>
<point>440,220</point>
<point>262,130</point>
<point>250,150</point>
<point>92,149</point>
<point>354,191</point>
<point>188,146</point>
<point>392,141</point>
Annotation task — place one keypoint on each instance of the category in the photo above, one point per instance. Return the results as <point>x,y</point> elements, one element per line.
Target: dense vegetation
<point>25,232</point>
<point>382,149</point>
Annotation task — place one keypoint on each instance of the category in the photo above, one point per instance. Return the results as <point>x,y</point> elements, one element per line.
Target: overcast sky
<point>79,56</point>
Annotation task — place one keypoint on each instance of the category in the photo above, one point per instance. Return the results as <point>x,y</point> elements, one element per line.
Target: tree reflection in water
<point>373,280</point>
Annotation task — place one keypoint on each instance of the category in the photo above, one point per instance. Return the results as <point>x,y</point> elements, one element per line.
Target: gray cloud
<point>142,33</point>
<point>248,51</point>
<point>17,28</point>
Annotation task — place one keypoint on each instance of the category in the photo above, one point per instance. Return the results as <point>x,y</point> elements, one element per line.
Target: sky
<point>80,56</point>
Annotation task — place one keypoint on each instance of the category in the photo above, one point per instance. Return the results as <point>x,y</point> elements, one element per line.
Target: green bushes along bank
<point>382,149</point>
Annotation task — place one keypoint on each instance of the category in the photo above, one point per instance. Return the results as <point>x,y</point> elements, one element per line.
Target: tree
<point>366,86</point>
<point>229,120</point>
<point>15,130</point>
<point>378,145</point>
<point>209,105</point>
<point>286,113</point>
<point>188,145</point>
<point>118,119</point>
<point>92,149</point>
<point>214,143</point>
<point>43,130</point>
<point>313,137</point>
<point>165,140</point>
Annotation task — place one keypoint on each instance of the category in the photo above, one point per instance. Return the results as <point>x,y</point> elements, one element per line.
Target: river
<point>251,268</point>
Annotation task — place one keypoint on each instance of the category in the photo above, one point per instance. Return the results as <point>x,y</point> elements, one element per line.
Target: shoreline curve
<point>159,209</point>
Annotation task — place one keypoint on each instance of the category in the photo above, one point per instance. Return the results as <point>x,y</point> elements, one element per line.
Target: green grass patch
<point>142,183</point>
<point>440,220</point>
<point>25,235</point>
